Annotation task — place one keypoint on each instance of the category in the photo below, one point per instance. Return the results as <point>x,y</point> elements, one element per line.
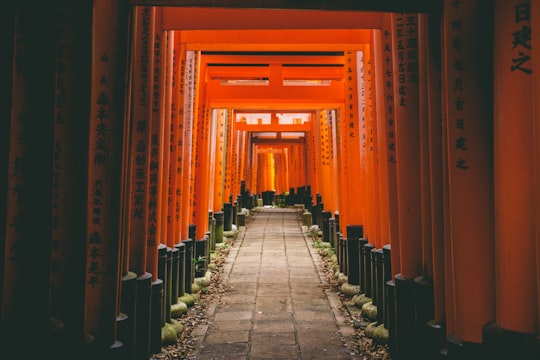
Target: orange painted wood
<point>407,143</point>
<point>425,165</point>
<point>372,175</point>
<point>157,150</point>
<point>324,158</point>
<point>469,156</point>
<point>173,209</point>
<point>194,139</point>
<point>189,73</point>
<point>513,161</point>
<point>535,18</point>
<point>435,129</point>
<point>388,137</point>
<point>167,99</point>
<point>140,137</point>
<point>342,169</point>
<point>180,110</point>
<point>219,161</point>
<point>380,77</point>
<point>228,187</point>
<point>202,163</point>
<point>104,164</point>
<point>352,141</point>
<point>363,160</point>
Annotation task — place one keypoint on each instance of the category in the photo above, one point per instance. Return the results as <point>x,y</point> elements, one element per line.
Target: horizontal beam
<point>424,6</point>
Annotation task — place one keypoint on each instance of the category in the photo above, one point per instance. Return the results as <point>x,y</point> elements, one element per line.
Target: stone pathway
<point>274,306</point>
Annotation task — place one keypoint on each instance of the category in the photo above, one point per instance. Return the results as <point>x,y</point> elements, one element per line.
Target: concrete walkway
<point>275,306</point>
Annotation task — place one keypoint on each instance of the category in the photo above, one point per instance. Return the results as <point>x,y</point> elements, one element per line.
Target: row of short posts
<point>404,306</point>
<point>146,305</point>
<point>367,267</point>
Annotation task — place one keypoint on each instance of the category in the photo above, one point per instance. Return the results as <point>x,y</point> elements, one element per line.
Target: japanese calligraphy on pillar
<point>188,96</point>
<point>219,160</point>
<point>407,55</point>
<point>324,137</point>
<point>521,38</point>
<point>140,138</point>
<point>389,94</point>
<point>154,182</point>
<point>101,164</point>
<point>457,105</point>
<point>227,188</point>
<point>172,208</point>
<point>351,105</point>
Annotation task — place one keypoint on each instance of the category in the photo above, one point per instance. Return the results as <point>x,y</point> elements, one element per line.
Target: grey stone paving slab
<point>274,306</point>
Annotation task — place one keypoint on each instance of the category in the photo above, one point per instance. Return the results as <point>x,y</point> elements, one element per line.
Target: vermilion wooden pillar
<point>104,169</point>
<point>372,176</point>
<point>513,161</point>
<point>380,77</point>
<point>389,133</point>
<point>202,163</point>
<point>535,18</point>
<point>219,157</point>
<point>190,73</point>
<point>406,107</point>
<point>141,137</point>
<point>435,128</point>
<point>469,256</point>
<point>311,158</point>
<point>157,150</point>
<point>173,209</point>
<point>178,100</point>
<point>165,166</point>
<point>362,138</point>
<point>352,212</point>
<point>424,119</point>
<point>229,181</point>
<point>324,154</point>
<point>407,142</point>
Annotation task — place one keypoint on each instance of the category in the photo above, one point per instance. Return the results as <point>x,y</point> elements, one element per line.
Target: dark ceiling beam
<point>408,6</point>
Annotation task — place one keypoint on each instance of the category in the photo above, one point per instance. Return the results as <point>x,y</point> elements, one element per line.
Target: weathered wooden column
<point>467,90</point>
<point>430,55</point>
<point>173,210</point>
<point>189,97</point>
<point>104,170</point>
<point>168,65</point>
<point>219,161</point>
<point>354,113</point>
<point>140,143</point>
<point>516,306</point>
<point>382,57</point>
<point>535,42</point>
<point>155,191</point>
<point>406,88</point>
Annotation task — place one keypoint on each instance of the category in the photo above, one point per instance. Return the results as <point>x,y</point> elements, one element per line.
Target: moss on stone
<point>178,309</point>
<point>350,290</point>
<point>168,334</point>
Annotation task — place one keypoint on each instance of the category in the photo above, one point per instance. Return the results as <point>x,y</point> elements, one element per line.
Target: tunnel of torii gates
<point>132,129</point>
